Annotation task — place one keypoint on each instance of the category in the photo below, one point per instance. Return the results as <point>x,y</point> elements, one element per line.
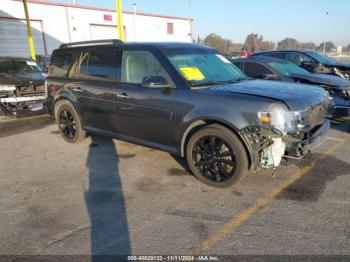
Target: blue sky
<point>305,20</point>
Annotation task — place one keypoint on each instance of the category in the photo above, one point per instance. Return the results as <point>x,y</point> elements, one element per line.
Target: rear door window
<point>100,64</point>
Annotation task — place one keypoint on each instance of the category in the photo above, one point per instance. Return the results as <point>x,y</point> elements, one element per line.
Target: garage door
<point>99,32</point>
<point>14,38</point>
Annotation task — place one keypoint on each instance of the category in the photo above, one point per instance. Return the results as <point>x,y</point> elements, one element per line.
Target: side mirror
<point>155,82</point>
<point>269,77</point>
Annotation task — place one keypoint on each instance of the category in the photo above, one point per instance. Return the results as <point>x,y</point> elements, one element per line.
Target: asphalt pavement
<point>104,196</point>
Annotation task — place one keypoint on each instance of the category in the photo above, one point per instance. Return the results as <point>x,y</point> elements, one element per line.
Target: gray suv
<point>185,99</point>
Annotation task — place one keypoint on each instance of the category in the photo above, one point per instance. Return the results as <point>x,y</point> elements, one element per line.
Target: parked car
<point>264,67</point>
<point>311,61</point>
<point>22,91</point>
<point>185,99</point>
<point>43,61</point>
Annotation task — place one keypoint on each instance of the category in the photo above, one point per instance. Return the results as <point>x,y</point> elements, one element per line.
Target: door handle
<point>77,89</point>
<point>123,95</point>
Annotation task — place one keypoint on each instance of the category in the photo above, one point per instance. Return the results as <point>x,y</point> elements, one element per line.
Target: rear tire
<point>68,121</point>
<point>216,156</point>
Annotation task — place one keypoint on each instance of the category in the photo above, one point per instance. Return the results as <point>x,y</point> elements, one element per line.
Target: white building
<point>56,23</point>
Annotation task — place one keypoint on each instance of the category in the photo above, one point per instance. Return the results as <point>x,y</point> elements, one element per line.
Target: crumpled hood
<point>295,96</point>
<point>342,66</point>
<point>324,79</point>
<point>22,78</point>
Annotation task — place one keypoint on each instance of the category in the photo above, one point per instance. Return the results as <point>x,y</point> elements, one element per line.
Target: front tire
<point>216,156</point>
<point>68,121</point>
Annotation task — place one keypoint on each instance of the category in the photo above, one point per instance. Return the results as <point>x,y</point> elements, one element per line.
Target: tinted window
<point>297,58</point>
<point>256,70</point>
<point>239,65</point>
<point>137,65</point>
<point>100,64</point>
<point>62,64</point>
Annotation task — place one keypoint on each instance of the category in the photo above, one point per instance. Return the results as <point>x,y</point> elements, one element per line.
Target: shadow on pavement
<point>9,127</point>
<point>341,125</point>
<point>310,187</point>
<point>105,201</point>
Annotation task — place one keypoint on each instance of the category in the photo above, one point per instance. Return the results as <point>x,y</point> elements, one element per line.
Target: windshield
<point>202,67</point>
<point>18,66</point>
<point>321,58</point>
<point>287,69</point>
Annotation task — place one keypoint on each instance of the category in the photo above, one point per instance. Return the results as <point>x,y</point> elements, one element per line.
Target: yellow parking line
<point>226,229</point>
<point>335,139</point>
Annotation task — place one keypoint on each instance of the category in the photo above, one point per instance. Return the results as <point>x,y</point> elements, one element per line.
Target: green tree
<point>224,46</point>
<point>308,45</point>
<point>327,46</point>
<point>288,43</point>
<point>256,43</point>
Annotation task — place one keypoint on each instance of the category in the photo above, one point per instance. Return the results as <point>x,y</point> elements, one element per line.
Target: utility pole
<point>119,11</point>
<point>29,31</point>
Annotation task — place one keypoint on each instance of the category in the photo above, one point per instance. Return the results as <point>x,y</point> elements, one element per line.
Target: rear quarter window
<point>256,70</point>
<point>100,64</point>
<point>64,64</point>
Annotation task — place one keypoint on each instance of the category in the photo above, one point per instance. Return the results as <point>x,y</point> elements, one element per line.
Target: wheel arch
<point>195,125</point>
<point>71,101</point>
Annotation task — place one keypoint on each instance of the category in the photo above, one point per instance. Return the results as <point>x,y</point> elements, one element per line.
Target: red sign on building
<point>107,18</point>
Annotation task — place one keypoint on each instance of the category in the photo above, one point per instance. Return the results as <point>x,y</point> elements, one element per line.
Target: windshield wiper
<point>212,82</point>
<point>237,80</point>
<point>206,83</point>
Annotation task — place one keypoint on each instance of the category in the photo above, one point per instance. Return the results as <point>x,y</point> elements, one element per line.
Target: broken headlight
<point>346,94</point>
<point>286,122</point>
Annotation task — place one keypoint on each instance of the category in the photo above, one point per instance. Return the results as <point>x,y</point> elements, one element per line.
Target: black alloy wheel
<point>67,124</point>
<point>216,156</point>
<point>214,159</point>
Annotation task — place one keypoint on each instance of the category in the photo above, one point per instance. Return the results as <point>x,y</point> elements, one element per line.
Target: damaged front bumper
<point>23,106</point>
<point>267,147</point>
<point>299,148</point>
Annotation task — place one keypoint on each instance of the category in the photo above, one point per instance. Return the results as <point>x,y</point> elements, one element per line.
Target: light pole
<point>325,36</point>
<point>190,19</point>
<point>29,31</point>
<point>119,11</point>
<point>134,19</point>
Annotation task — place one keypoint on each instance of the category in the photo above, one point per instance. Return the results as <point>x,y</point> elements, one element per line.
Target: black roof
<point>261,58</point>
<point>283,50</point>
<point>116,42</point>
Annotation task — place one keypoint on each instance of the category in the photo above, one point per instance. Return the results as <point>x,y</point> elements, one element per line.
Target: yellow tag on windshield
<point>192,73</point>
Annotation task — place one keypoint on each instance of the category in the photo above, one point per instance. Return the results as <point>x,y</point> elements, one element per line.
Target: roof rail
<point>93,42</point>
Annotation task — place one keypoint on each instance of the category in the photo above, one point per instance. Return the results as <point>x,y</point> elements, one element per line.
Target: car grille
<point>29,90</point>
